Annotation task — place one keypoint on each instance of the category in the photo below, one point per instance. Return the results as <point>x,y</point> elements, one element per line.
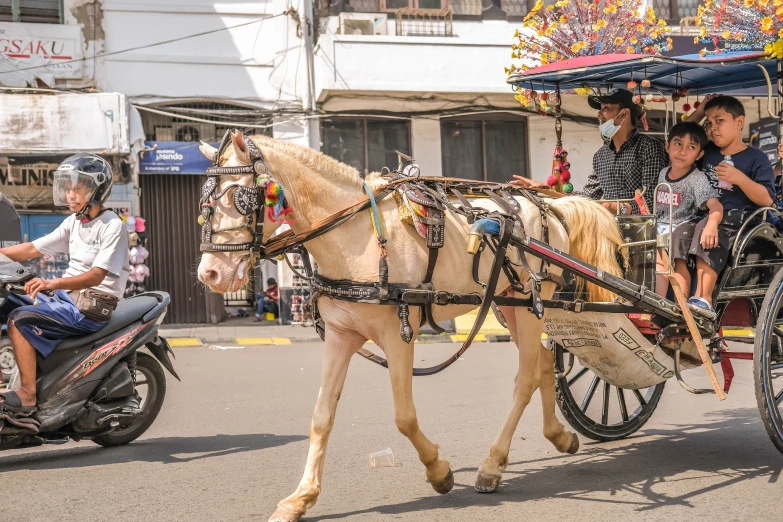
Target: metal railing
<point>670,10</point>
<point>424,22</point>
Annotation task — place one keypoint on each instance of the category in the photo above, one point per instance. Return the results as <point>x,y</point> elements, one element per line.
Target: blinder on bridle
<point>248,201</point>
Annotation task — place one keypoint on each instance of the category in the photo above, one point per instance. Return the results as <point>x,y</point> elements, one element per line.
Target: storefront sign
<point>764,136</point>
<point>172,157</point>
<point>121,208</point>
<point>28,185</point>
<point>56,47</point>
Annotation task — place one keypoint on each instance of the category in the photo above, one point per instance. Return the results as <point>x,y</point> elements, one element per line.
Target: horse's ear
<point>208,150</point>
<point>240,147</point>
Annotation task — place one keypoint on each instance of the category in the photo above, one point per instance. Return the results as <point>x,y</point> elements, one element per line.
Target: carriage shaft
<point>638,295</point>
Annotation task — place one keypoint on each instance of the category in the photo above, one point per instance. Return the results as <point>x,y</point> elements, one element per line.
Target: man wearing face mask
<point>627,161</point>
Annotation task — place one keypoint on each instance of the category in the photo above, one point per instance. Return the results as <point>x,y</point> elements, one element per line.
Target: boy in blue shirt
<point>743,177</point>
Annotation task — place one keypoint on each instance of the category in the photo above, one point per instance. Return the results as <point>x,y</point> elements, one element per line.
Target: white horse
<point>317,186</point>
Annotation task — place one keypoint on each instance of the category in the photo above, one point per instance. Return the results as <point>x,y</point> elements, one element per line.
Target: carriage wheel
<point>599,410</point>
<point>768,361</point>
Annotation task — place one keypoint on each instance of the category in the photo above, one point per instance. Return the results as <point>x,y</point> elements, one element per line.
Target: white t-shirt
<point>102,243</point>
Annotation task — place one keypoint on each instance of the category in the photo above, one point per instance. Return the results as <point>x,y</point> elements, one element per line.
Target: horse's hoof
<point>486,483</point>
<point>445,485</point>
<point>285,515</point>
<point>574,447</point>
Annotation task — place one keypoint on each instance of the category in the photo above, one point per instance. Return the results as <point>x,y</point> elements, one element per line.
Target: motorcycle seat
<point>128,311</point>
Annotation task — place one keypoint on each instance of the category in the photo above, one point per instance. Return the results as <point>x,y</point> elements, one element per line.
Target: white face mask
<point>609,129</point>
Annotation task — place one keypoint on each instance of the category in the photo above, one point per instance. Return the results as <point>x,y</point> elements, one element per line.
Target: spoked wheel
<point>768,361</point>
<point>151,387</point>
<point>596,409</point>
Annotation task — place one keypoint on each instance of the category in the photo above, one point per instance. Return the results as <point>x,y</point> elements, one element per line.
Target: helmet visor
<point>73,186</point>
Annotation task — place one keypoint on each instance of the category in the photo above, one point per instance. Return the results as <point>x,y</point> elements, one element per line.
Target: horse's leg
<point>564,441</point>
<point>526,331</point>
<point>400,357</point>
<point>340,347</point>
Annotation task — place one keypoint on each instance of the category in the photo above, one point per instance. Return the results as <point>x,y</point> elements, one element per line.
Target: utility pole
<point>311,124</point>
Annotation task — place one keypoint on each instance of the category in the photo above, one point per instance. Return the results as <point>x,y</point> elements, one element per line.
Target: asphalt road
<point>231,441</point>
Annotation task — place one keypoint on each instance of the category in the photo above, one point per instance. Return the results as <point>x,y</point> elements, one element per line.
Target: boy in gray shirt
<point>691,191</point>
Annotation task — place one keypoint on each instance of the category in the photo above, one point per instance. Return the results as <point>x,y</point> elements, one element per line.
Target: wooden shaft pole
<point>686,312</point>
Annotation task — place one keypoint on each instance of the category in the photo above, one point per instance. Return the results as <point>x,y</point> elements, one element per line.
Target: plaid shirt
<point>617,175</point>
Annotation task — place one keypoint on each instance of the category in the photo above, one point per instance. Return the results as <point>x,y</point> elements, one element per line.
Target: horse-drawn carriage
<point>749,293</point>
<point>429,249</point>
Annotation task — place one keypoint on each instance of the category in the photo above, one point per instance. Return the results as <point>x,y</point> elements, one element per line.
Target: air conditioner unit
<point>193,131</point>
<point>363,23</point>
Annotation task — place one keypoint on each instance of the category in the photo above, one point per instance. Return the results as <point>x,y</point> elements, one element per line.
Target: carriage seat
<point>128,312</point>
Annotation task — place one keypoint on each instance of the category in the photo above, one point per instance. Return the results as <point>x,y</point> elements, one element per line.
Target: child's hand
<point>709,236</point>
<point>729,173</point>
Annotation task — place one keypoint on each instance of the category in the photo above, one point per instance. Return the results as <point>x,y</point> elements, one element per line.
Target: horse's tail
<point>594,238</point>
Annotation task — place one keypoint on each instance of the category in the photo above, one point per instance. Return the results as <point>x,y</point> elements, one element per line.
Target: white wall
<point>261,63</point>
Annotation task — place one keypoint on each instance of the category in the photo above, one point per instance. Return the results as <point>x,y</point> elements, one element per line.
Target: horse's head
<point>232,212</point>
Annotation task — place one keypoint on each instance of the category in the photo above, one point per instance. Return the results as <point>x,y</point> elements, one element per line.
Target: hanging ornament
<point>632,85</point>
<point>686,107</point>
<point>646,83</point>
<point>696,104</point>
<point>568,188</point>
<point>649,97</point>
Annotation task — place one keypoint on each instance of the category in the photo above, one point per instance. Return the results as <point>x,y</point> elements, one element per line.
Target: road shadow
<point>730,447</point>
<point>167,450</point>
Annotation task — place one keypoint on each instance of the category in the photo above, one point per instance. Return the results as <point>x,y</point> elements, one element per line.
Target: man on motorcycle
<point>97,242</point>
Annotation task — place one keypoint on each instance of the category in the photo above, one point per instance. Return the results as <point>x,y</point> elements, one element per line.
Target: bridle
<point>248,201</point>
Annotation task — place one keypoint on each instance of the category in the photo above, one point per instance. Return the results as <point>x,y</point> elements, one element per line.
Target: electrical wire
<point>147,46</point>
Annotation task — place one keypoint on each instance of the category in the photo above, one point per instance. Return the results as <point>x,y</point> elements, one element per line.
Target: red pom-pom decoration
<point>696,104</point>
<point>637,99</point>
<point>545,96</point>
<point>551,181</point>
<point>565,176</point>
<point>632,85</point>
<point>646,84</point>
<point>686,107</point>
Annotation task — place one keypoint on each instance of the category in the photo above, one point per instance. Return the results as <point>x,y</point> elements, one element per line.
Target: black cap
<point>621,97</point>
<point>271,281</point>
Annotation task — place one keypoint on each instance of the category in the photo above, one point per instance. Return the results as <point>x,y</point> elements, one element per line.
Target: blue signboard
<point>172,157</point>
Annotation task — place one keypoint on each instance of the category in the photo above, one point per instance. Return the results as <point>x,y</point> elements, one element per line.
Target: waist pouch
<point>96,305</point>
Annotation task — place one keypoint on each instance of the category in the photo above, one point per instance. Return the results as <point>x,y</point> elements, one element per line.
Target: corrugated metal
<point>169,204</point>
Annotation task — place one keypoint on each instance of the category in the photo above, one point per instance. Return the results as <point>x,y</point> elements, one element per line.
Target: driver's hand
<point>33,286</point>
<point>519,181</point>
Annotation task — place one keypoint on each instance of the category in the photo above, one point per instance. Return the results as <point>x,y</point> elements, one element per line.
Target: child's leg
<point>706,278</point>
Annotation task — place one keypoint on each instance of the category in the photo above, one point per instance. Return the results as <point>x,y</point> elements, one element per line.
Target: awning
<point>172,157</point>
<point>54,124</point>
<point>728,71</point>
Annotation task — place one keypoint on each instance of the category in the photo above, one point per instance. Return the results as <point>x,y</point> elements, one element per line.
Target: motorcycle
<point>98,387</point>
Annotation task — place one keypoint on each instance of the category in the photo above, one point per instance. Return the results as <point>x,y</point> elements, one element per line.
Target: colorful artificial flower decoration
<point>573,28</point>
<point>742,25</point>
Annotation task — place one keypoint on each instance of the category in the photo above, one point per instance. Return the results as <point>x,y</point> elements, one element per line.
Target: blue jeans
<point>266,306</point>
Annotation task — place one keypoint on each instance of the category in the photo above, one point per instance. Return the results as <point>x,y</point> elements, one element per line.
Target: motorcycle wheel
<point>149,375</point>
<point>7,359</point>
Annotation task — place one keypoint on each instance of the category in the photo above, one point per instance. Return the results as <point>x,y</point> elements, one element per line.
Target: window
<point>31,11</point>
<point>394,5</point>
<point>485,150</point>
<point>159,127</point>
<point>366,145</point>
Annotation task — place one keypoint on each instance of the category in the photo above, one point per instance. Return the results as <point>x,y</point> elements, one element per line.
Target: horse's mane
<point>327,166</point>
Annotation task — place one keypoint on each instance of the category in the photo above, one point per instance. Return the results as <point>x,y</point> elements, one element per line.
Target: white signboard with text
<point>57,48</point>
